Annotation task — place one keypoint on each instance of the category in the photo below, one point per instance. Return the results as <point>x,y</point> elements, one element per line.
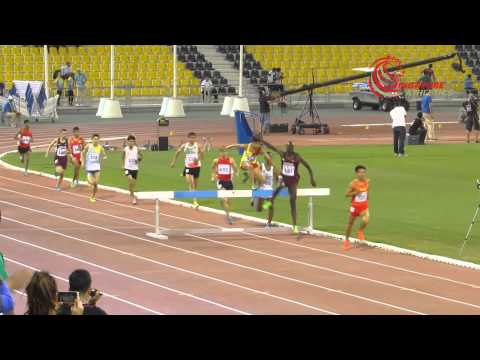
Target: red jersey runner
<point>25,139</point>
<point>224,169</point>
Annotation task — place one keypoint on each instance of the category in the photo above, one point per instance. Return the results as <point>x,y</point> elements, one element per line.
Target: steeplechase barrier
<point>158,196</point>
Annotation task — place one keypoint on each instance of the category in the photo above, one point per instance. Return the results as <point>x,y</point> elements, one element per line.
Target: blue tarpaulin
<point>244,133</point>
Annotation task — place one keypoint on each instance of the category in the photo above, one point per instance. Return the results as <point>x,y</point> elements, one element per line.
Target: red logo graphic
<point>383,82</point>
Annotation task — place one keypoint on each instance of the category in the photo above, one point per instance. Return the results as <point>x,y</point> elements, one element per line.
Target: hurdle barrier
<point>158,196</point>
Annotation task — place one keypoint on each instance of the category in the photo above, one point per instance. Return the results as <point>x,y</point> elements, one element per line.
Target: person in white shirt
<point>206,87</point>
<point>131,156</point>
<point>398,116</point>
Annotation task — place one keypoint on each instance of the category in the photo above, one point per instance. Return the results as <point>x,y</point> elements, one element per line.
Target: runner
<point>358,191</point>
<point>249,162</point>
<point>61,156</point>
<point>24,138</point>
<point>290,178</point>
<point>193,163</point>
<point>131,156</point>
<point>76,145</point>
<point>92,157</point>
<point>272,176</point>
<point>223,168</point>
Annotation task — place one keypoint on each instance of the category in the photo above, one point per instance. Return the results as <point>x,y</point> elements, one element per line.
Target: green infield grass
<point>422,202</point>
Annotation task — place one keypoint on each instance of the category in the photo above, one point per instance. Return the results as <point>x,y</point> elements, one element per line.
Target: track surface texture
<point>241,273</point>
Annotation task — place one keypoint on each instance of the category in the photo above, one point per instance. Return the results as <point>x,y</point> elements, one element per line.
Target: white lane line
<point>260,252</point>
<point>390,124</point>
<point>152,260</point>
<point>265,272</point>
<point>131,277</point>
<point>324,268</point>
<point>8,259</point>
<point>371,262</point>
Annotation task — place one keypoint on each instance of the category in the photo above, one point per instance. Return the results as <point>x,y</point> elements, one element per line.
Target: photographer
<point>418,128</point>
<point>471,115</point>
<point>81,281</point>
<point>42,295</point>
<point>263,100</point>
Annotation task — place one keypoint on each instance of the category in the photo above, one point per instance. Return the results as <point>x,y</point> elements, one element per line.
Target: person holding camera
<point>471,115</point>
<point>418,128</point>
<point>80,281</point>
<point>263,100</point>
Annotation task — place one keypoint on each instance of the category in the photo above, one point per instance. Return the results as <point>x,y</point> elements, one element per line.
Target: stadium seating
<point>297,62</point>
<point>152,63</point>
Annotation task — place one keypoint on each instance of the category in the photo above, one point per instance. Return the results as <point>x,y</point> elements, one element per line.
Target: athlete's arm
<point>172,164</point>
<point>271,147</point>
<point>82,154</point>
<point>304,163</point>
<point>140,155</point>
<point>276,175</point>
<point>123,159</point>
<point>233,146</point>
<point>50,147</point>
<point>103,153</point>
<point>214,169</point>
<point>351,191</point>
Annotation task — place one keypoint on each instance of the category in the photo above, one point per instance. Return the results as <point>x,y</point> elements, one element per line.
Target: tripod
<point>471,224</point>
<point>310,111</point>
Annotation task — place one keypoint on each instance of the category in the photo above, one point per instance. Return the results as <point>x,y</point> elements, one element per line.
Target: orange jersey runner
<point>360,200</point>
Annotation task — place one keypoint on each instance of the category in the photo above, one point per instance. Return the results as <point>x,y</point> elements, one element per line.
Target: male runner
<point>24,138</point>
<point>290,178</point>
<point>193,163</point>
<point>131,156</point>
<point>358,191</point>
<point>271,175</point>
<point>92,157</point>
<point>61,156</point>
<point>223,168</point>
<point>76,145</point>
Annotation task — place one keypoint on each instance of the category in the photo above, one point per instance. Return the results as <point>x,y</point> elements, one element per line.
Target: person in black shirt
<point>471,110</point>
<point>81,281</point>
<point>418,128</point>
<point>264,111</point>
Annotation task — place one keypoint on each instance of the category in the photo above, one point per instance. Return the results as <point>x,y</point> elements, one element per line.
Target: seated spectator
<point>9,112</point>
<point>42,296</point>
<point>81,281</point>
<point>468,84</point>
<point>418,128</point>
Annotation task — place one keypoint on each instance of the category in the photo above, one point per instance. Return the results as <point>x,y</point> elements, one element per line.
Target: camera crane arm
<point>310,87</point>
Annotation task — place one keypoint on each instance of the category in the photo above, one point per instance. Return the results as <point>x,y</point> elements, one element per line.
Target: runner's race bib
<point>191,158</point>
<point>361,197</point>
<point>25,140</point>
<point>133,161</point>
<point>61,151</point>
<point>94,157</point>
<point>288,169</point>
<point>224,169</point>
<point>76,149</point>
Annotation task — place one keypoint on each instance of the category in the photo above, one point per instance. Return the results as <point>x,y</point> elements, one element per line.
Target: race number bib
<point>251,158</point>
<point>191,158</point>
<point>132,161</point>
<point>361,197</point>
<point>61,151</point>
<point>76,149</point>
<point>224,169</point>
<point>94,157</point>
<point>25,140</point>
<point>288,169</point>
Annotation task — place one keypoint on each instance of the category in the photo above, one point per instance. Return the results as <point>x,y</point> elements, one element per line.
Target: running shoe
<point>134,200</point>
<point>25,173</point>
<point>196,205</point>
<point>58,188</point>
<point>346,245</point>
<point>295,229</point>
<point>360,235</point>
<point>229,220</point>
<point>92,199</point>
<point>267,205</point>
<point>73,185</point>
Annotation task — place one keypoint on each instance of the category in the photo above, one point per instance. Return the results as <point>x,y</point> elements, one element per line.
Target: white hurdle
<point>158,196</point>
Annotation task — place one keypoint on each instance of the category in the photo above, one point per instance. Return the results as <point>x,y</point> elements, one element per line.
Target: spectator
<point>8,284</point>
<point>264,110</point>
<point>9,111</point>
<point>398,115</point>
<point>2,88</point>
<point>427,115</point>
<point>69,93</point>
<point>471,118</point>
<point>80,80</point>
<point>59,83</point>
<point>81,281</point>
<point>271,76</point>
<point>468,84</point>
<point>206,87</point>
<point>66,70</point>
<point>42,296</point>
<point>418,128</point>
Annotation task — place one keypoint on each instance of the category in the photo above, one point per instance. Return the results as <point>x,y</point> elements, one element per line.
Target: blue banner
<point>244,133</point>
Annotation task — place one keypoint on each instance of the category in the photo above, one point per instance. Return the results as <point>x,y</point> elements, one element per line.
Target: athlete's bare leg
<point>60,173</point>
<point>131,188</point>
<point>26,160</point>
<point>76,170</point>
<point>292,193</point>
<point>348,231</point>
<point>192,186</point>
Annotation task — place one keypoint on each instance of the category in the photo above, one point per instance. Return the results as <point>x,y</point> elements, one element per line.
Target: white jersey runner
<point>192,156</point>
<point>268,176</point>
<point>92,158</point>
<point>131,158</point>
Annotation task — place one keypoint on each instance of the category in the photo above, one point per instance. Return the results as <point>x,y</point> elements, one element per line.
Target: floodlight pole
<point>240,81</point>
<point>112,70</point>
<point>45,69</point>
<point>174,71</point>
